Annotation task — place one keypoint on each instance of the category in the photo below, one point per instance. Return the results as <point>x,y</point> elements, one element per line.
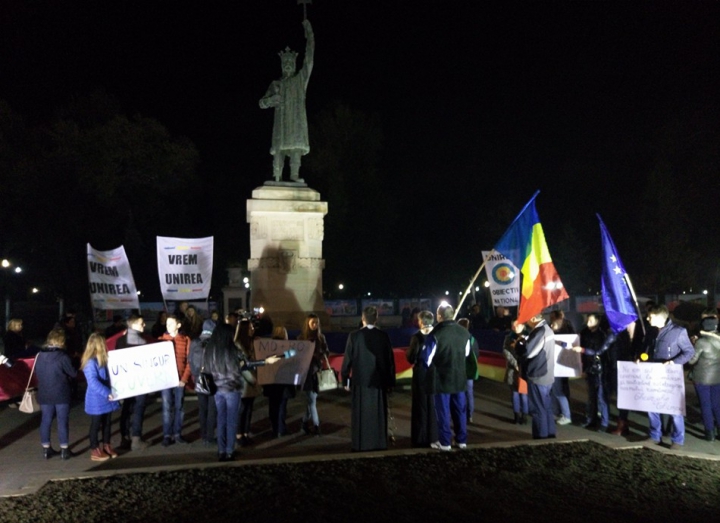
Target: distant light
<point>246,280</point>
<point>477,288</point>
<point>486,284</point>
<point>5,263</point>
<point>35,290</point>
<point>18,270</point>
<point>261,310</point>
<point>369,294</point>
<point>138,293</point>
<point>705,292</point>
<point>341,286</point>
<point>459,293</point>
<point>444,304</point>
<point>447,293</point>
<point>247,285</point>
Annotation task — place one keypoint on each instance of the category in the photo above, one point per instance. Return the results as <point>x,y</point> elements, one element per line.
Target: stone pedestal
<point>286,263</point>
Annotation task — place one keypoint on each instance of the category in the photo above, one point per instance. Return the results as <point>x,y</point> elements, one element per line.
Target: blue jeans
<point>173,411</point>
<point>311,412</point>
<point>469,399</point>
<point>63,423</point>
<point>678,430</point>
<point>519,402</point>
<point>543,421</point>
<point>597,401</point>
<point>451,406</point>
<point>709,396</point>
<point>228,408</point>
<point>560,392</point>
<point>207,414</point>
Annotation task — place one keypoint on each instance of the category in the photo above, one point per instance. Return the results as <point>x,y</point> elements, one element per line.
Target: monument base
<point>286,264</point>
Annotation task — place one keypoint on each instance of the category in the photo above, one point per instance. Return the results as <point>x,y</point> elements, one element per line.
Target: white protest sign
<point>568,363</point>
<point>112,285</point>
<point>185,267</point>
<point>287,371</point>
<point>504,279</point>
<point>142,369</point>
<point>651,387</point>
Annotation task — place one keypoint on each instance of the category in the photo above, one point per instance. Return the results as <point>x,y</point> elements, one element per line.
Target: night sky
<point>480,104</point>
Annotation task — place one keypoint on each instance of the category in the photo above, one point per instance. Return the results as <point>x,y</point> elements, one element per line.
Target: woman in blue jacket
<point>99,402</point>
<point>54,371</point>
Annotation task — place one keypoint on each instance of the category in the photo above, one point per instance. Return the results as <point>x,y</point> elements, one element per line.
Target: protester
<point>173,398</point>
<point>423,420</point>
<point>209,325</point>
<point>594,360</point>
<point>369,357</point>
<point>54,371</point>
<point>671,346</point>
<point>706,372</point>
<point>444,353</point>
<point>311,331</point>
<point>225,363</point>
<point>99,403</point>
<point>471,371</point>
<point>561,386</point>
<point>250,389</point>
<point>133,408</point>
<point>512,346</point>
<point>537,365</point>
<point>192,324</point>
<point>207,410</point>
<point>116,327</point>
<point>14,340</point>
<point>159,327</point>
<point>278,395</point>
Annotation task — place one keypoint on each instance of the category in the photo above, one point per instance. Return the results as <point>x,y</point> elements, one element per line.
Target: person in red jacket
<point>173,398</point>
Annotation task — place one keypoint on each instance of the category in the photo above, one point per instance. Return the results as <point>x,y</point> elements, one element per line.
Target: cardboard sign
<point>142,369</point>
<point>568,363</point>
<point>287,371</point>
<point>651,387</point>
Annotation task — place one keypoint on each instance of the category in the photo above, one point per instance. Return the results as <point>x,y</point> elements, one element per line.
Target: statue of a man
<point>287,96</point>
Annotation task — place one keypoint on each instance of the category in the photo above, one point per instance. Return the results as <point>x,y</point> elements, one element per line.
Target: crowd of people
<point>443,353</point>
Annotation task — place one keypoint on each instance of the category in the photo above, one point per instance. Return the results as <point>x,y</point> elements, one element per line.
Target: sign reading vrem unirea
<point>185,267</point>
<point>111,281</point>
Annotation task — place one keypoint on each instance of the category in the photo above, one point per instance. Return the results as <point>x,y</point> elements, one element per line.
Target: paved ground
<point>23,470</point>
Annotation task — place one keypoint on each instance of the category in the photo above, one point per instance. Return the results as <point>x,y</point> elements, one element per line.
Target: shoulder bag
<point>29,403</point>
<point>327,378</point>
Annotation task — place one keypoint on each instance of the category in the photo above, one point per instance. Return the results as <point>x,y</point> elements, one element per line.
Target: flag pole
<point>626,276</point>
<point>472,282</point>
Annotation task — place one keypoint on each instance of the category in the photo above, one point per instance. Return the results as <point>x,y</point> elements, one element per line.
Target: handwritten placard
<point>651,387</point>
<point>568,363</point>
<point>142,369</point>
<point>290,371</point>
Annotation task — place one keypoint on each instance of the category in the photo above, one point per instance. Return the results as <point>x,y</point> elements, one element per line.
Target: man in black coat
<point>444,353</point>
<point>369,357</point>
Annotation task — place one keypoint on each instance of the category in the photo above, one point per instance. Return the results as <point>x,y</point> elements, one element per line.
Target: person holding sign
<point>173,398</point>
<point>671,346</point>
<point>133,409</point>
<point>99,403</point>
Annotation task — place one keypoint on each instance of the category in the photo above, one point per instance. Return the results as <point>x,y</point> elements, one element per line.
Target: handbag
<point>205,383</point>
<point>327,378</point>
<point>29,403</point>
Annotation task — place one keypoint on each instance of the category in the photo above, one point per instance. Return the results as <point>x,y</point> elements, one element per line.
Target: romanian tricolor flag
<point>524,244</point>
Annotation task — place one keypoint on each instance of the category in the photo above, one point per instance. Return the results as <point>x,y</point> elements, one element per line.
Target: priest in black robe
<point>368,372</point>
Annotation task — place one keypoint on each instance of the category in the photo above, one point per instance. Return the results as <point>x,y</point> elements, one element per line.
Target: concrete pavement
<point>23,469</point>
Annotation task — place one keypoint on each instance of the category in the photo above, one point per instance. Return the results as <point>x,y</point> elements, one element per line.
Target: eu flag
<point>617,298</point>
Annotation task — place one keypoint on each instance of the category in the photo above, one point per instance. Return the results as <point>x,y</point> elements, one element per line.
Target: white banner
<point>111,281</point>
<point>185,267</point>
<point>504,279</point>
<point>651,387</point>
<point>568,363</point>
<point>142,369</point>
<point>290,371</point>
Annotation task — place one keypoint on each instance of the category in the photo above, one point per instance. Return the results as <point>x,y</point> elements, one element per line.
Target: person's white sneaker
<point>438,446</point>
<point>462,446</point>
<point>563,421</point>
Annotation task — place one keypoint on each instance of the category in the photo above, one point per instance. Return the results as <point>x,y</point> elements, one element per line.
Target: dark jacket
<point>706,361</point>
<point>369,356</point>
<point>538,363</point>
<point>594,347</point>
<point>672,343</point>
<point>54,372</point>
<point>224,363</point>
<point>444,353</point>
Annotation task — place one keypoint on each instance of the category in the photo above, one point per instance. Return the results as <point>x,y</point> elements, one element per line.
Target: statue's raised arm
<point>287,96</point>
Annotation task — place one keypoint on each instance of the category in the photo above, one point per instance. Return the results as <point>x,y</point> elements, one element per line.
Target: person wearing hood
<point>706,372</point>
